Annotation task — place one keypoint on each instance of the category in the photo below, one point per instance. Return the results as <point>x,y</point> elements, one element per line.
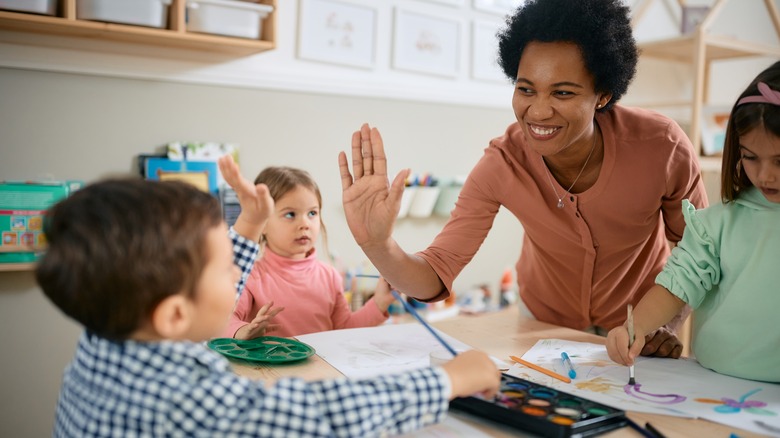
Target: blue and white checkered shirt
<point>173,388</point>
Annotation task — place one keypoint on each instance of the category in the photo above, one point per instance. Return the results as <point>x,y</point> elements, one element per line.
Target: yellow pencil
<point>540,369</point>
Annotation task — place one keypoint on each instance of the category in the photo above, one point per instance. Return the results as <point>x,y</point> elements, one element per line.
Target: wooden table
<point>501,334</point>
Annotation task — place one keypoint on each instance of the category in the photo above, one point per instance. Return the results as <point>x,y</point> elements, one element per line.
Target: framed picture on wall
<point>426,44</point>
<point>484,52</point>
<point>500,7</point>
<point>692,16</point>
<point>335,32</point>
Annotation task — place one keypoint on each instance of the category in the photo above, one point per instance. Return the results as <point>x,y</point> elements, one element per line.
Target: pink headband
<point>768,95</point>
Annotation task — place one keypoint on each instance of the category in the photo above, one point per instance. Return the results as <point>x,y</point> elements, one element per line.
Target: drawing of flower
<point>730,406</point>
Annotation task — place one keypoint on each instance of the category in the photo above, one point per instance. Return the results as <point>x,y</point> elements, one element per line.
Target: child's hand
<point>617,346</point>
<point>256,202</point>
<point>261,324</point>
<point>473,372</point>
<point>382,296</point>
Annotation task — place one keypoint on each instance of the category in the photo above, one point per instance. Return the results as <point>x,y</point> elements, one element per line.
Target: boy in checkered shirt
<point>147,269</point>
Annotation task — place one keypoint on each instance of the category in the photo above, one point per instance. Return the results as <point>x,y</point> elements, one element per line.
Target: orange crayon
<point>540,369</point>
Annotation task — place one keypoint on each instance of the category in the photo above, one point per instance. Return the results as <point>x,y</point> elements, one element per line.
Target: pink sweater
<point>310,291</point>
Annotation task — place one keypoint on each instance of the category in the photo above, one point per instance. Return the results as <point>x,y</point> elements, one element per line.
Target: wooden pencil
<point>540,369</point>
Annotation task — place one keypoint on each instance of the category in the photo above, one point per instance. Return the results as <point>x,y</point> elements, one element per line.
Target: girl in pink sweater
<point>307,293</point>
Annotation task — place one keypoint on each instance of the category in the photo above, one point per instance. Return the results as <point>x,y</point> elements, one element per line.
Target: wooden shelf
<point>16,267</point>
<point>717,47</point>
<point>700,49</point>
<point>24,266</point>
<point>175,35</point>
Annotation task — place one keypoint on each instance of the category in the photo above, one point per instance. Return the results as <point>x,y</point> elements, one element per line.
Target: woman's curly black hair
<point>601,29</point>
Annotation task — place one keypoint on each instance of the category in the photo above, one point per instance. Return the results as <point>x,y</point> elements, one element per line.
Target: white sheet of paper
<point>451,427</point>
<point>387,349</point>
<point>360,353</point>
<point>679,387</point>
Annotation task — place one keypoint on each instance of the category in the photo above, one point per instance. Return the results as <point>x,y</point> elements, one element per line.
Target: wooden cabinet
<point>700,48</point>
<point>174,35</point>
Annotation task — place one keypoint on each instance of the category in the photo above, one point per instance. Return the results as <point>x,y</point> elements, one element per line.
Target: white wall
<point>71,110</point>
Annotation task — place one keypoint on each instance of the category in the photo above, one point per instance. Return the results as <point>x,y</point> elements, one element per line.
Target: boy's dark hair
<point>744,118</point>
<point>282,179</point>
<point>118,247</point>
<point>600,28</point>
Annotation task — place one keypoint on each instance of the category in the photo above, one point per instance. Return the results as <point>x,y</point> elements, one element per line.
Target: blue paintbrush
<point>417,316</point>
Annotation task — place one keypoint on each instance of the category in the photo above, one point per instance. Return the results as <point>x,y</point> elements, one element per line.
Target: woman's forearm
<point>406,273</point>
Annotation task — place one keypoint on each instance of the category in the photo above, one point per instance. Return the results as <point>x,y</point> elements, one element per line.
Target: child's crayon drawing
<point>596,385</point>
<point>665,399</point>
<point>679,387</point>
<point>731,406</point>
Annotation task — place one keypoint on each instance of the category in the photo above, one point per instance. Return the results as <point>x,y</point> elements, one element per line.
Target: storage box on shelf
<point>46,7</point>
<point>19,257</point>
<point>151,13</point>
<point>226,17</point>
<point>146,29</point>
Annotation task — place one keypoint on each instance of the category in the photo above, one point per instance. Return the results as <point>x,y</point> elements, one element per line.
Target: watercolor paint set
<point>542,410</point>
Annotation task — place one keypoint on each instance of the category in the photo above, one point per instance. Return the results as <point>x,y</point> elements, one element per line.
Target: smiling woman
<point>572,159</point>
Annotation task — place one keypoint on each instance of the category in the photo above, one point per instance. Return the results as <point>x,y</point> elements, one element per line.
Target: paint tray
<point>269,349</point>
<point>542,410</point>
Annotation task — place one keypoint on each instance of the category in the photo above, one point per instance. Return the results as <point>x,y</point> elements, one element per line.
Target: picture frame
<point>484,52</point>
<point>713,128</point>
<point>336,32</point>
<point>692,16</point>
<point>499,7</point>
<point>424,43</point>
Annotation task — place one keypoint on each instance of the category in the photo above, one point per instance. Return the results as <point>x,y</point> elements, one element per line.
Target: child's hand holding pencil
<point>622,346</point>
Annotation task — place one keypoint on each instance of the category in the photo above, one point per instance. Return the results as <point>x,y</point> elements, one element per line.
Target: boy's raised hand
<point>371,204</point>
<point>472,372</point>
<point>256,202</point>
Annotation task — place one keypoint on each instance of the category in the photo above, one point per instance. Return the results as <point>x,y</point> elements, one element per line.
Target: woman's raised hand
<point>371,204</point>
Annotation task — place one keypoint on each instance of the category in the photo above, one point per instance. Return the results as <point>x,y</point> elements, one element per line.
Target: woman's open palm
<point>371,204</point>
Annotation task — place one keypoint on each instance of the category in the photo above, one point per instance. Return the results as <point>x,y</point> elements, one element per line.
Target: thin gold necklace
<point>549,178</point>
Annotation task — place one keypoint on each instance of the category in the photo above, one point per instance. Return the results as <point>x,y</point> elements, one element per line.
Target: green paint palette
<point>269,349</point>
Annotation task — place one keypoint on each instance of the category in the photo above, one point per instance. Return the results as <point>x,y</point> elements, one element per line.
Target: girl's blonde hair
<point>281,179</point>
